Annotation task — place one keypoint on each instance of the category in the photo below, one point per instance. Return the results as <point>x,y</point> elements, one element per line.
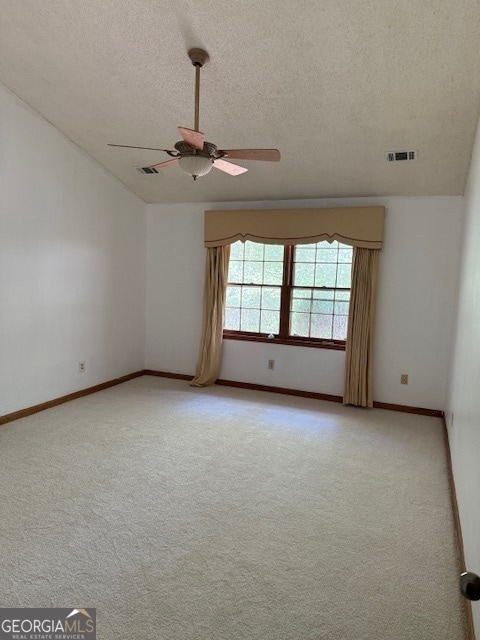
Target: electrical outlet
<point>404,378</point>
<point>271,364</point>
<point>81,366</point>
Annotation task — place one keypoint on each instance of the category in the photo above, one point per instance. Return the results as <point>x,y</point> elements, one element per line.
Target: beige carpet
<point>217,514</point>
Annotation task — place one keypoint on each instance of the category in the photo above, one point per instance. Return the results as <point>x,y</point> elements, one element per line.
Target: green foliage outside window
<point>317,291</point>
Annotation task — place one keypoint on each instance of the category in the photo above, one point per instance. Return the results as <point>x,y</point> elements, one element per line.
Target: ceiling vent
<point>401,156</point>
<point>146,170</point>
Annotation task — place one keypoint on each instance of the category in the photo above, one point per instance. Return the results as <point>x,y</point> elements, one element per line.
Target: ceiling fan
<point>196,156</point>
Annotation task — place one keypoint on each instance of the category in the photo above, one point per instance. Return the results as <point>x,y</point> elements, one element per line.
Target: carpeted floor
<point>215,514</point>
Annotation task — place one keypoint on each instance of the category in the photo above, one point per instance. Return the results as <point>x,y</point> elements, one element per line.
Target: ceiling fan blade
<point>194,138</point>
<point>229,167</point>
<point>128,146</point>
<point>269,155</point>
<point>160,165</point>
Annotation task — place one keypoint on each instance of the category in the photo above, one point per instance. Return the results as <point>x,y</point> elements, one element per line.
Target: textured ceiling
<point>332,83</point>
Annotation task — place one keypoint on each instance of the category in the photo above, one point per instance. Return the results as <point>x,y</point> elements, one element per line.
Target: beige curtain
<point>214,294</point>
<point>358,365</point>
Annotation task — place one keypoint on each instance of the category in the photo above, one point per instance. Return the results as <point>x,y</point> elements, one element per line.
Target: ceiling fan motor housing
<point>209,149</point>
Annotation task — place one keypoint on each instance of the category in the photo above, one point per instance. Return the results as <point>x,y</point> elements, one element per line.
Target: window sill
<point>295,342</point>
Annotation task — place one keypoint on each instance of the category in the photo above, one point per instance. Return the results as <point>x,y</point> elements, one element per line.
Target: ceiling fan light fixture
<point>196,165</point>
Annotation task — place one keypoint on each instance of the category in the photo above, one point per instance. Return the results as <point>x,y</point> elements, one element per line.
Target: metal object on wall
<point>470,585</point>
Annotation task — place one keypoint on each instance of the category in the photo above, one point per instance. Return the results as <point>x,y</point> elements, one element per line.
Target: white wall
<point>72,265</point>
<point>415,310</point>
<point>463,414</point>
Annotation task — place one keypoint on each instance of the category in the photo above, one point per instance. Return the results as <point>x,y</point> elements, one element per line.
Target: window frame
<point>285,303</point>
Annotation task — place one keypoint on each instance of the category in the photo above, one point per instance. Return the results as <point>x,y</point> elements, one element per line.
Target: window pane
<point>304,253</point>
<point>274,252</point>
<point>253,251</point>
<point>236,250</point>
<point>233,296</point>
<point>341,308</point>
<point>340,324</point>
<point>326,254</point>
<point>235,271</point>
<point>251,297</point>
<point>232,319</point>
<point>301,304</point>
<point>299,324</point>
<point>325,275</point>
<point>270,322</point>
<point>302,293</point>
<point>345,255</point>
<point>344,275</point>
<point>342,295</point>
<point>271,298</point>
<point>321,326</point>
<point>273,273</point>
<point>250,320</point>
<point>323,306</point>
<point>253,272</point>
<point>303,274</point>
<point>321,294</point>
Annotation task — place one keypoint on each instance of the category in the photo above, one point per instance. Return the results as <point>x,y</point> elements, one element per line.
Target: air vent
<point>146,170</point>
<point>401,156</point>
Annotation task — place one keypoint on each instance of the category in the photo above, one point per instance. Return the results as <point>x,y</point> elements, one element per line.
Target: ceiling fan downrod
<point>198,57</point>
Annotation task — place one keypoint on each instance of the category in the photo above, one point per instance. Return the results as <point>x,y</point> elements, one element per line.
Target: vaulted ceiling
<point>333,84</point>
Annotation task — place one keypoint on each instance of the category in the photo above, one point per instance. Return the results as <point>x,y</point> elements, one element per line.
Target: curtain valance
<point>355,226</point>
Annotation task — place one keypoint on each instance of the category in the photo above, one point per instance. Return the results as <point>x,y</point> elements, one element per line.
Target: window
<point>299,294</point>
